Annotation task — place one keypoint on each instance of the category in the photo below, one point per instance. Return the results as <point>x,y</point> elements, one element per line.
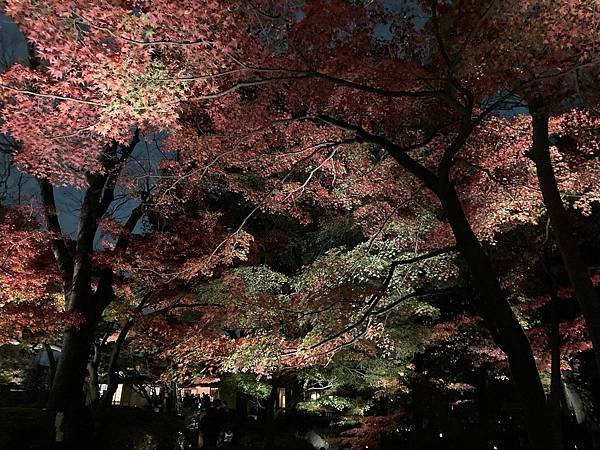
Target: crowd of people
<point>211,421</point>
<point>199,402</point>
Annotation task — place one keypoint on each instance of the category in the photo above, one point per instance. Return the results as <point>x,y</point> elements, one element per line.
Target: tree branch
<point>132,221</point>
<point>59,248</point>
<point>185,305</point>
<point>397,152</point>
<point>371,308</point>
<point>342,82</point>
<point>112,164</point>
<point>424,256</point>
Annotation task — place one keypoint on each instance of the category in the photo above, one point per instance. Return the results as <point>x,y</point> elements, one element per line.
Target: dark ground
<point>123,428</point>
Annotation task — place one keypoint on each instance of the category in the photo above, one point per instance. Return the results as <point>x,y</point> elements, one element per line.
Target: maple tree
<point>460,94</point>
<point>77,115</point>
<point>300,110</point>
<point>409,98</point>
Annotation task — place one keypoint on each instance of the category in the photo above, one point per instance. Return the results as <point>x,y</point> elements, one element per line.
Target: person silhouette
<point>210,426</point>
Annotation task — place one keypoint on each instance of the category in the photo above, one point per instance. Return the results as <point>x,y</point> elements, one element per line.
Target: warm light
<point>441,434</point>
<point>315,395</point>
<point>281,397</point>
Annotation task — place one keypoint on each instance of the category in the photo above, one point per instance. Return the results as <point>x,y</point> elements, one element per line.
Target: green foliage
<point>423,310</point>
<point>17,367</point>
<point>252,181</point>
<point>350,382</point>
<point>333,234</point>
<point>248,384</point>
<point>368,263</point>
<point>262,279</point>
<point>216,292</point>
<point>304,245</point>
<point>408,336</point>
<point>352,406</point>
<point>191,316</point>
<point>259,355</point>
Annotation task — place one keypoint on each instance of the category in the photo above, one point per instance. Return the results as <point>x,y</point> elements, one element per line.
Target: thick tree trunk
<point>563,231</point>
<point>67,396</point>
<point>500,319</point>
<point>113,379</point>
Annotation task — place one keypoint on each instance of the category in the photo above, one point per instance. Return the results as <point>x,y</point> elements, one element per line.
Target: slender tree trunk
<point>93,384</point>
<point>556,401</point>
<point>92,369</point>
<point>483,402</point>
<point>173,399</point>
<point>241,405</point>
<point>51,364</point>
<point>113,379</point>
<point>271,402</point>
<point>563,231</point>
<point>500,319</point>
<point>555,375</point>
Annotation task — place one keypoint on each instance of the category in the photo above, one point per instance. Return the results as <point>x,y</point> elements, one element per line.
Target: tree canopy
<point>326,187</point>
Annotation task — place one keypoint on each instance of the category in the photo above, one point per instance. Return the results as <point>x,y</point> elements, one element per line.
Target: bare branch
<point>52,96</point>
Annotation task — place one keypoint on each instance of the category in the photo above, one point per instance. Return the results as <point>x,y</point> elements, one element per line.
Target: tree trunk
<point>500,319</point>
<point>483,401</point>
<point>113,379</point>
<point>271,402</point>
<point>555,376</point>
<point>51,364</point>
<point>492,305</point>
<point>66,395</point>
<point>563,231</point>
<point>92,370</point>
<point>241,405</point>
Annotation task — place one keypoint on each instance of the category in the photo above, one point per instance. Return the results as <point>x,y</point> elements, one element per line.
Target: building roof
<point>206,380</point>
